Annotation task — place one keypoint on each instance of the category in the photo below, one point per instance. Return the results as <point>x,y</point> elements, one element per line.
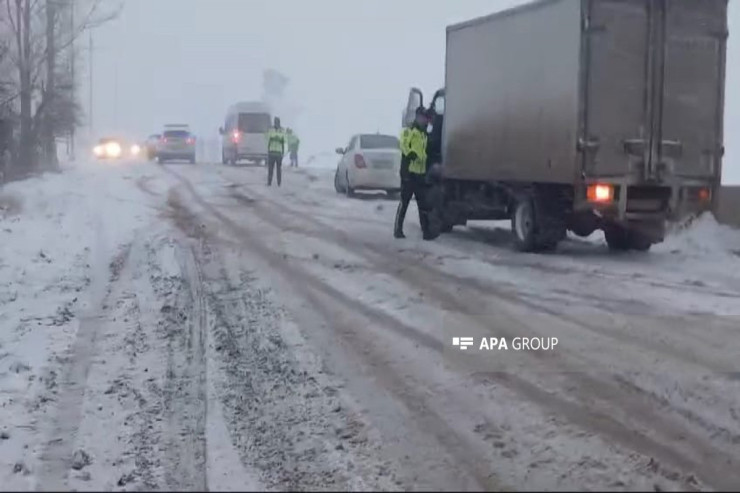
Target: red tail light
<point>360,161</point>
<point>164,140</point>
<point>600,193</point>
<point>235,137</point>
<point>191,140</point>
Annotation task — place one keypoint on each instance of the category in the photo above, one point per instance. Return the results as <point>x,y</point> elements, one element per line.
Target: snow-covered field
<point>187,327</point>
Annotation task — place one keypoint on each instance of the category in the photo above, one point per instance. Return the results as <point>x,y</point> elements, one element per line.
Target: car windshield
<point>379,142</point>
<point>176,134</point>
<point>254,123</point>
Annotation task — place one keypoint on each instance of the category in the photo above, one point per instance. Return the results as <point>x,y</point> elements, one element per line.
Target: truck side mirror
<point>340,151</point>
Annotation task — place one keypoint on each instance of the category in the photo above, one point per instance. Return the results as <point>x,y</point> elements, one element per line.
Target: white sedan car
<point>369,162</point>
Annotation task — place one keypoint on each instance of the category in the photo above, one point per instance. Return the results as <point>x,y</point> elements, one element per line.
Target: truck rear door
<point>654,85</point>
<point>693,86</point>
<point>616,39</point>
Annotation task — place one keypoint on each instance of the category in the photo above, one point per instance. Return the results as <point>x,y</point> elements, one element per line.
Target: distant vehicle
<point>176,143</point>
<point>244,134</point>
<point>369,162</point>
<point>150,146</point>
<point>111,148</point>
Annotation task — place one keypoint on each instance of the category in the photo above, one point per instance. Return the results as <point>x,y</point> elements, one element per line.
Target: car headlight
<point>135,149</point>
<point>113,149</point>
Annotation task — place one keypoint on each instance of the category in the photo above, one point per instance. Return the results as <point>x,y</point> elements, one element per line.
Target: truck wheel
<point>617,238</point>
<point>639,241</point>
<point>524,225</point>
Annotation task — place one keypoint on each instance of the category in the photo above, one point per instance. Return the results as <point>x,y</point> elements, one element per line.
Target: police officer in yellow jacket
<point>275,151</point>
<point>413,173</point>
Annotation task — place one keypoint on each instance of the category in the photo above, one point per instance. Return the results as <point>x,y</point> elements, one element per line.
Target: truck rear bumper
<point>648,202</point>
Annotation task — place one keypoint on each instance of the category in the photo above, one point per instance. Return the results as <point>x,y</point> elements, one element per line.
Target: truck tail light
<point>600,193</point>
<point>235,137</point>
<point>704,194</point>
<point>360,161</point>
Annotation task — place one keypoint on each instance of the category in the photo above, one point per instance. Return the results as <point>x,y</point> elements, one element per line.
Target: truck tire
<point>524,224</point>
<point>539,222</point>
<point>640,242</point>
<point>617,238</point>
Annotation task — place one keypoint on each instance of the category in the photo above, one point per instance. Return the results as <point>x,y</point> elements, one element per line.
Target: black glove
<point>412,156</point>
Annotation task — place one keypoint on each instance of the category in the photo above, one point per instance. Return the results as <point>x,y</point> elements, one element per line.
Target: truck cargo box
<point>568,91</point>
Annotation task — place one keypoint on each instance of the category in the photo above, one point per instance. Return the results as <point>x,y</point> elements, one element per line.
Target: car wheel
<point>350,192</point>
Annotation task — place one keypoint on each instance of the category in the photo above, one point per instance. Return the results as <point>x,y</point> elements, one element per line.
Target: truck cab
<point>436,111</point>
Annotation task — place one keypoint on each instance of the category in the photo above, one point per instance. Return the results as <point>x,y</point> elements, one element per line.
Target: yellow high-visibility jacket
<point>413,139</point>
<point>276,141</point>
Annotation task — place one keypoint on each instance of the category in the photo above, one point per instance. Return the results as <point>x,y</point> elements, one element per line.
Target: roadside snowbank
<point>703,236</point>
<point>58,233</point>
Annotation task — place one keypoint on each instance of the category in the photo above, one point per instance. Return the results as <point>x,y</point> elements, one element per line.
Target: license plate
<point>382,164</point>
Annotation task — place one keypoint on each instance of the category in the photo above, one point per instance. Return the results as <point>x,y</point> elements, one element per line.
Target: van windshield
<point>254,123</point>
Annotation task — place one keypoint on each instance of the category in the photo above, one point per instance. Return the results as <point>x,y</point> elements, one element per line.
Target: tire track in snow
<point>56,455</point>
<point>185,389</point>
<point>469,467</point>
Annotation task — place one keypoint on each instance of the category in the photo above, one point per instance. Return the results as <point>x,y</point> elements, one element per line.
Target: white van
<point>244,135</point>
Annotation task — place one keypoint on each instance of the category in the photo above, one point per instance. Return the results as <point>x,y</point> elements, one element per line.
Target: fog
<point>350,64</point>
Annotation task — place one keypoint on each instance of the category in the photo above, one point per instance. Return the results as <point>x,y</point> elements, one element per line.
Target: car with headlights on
<point>115,148</point>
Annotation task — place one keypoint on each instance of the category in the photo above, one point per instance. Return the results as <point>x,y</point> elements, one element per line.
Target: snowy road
<point>187,327</point>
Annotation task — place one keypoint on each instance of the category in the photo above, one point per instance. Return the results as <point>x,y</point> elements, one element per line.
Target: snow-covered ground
<point>187,327</point>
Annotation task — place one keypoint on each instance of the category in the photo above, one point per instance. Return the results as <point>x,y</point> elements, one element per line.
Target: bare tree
<point>37,38</point>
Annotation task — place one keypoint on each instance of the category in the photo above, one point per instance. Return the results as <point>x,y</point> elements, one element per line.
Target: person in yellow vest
<point>413,174</point>
<point>293,143</point>
<point>275,152</point>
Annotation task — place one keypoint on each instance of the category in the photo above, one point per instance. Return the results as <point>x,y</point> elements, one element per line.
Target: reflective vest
<point>293,142</point>
<point>276,141</point>
<point>413,139</point>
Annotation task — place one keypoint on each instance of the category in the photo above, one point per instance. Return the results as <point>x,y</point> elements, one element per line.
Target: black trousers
<point>414,186</point>
<point>293,159</point>
<point>274,160</point>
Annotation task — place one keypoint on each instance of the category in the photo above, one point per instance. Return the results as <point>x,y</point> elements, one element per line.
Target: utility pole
<point>73,54</point>
<point>90,102</point>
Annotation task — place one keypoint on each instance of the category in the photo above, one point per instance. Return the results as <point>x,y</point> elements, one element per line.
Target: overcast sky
<point>350,63</point>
